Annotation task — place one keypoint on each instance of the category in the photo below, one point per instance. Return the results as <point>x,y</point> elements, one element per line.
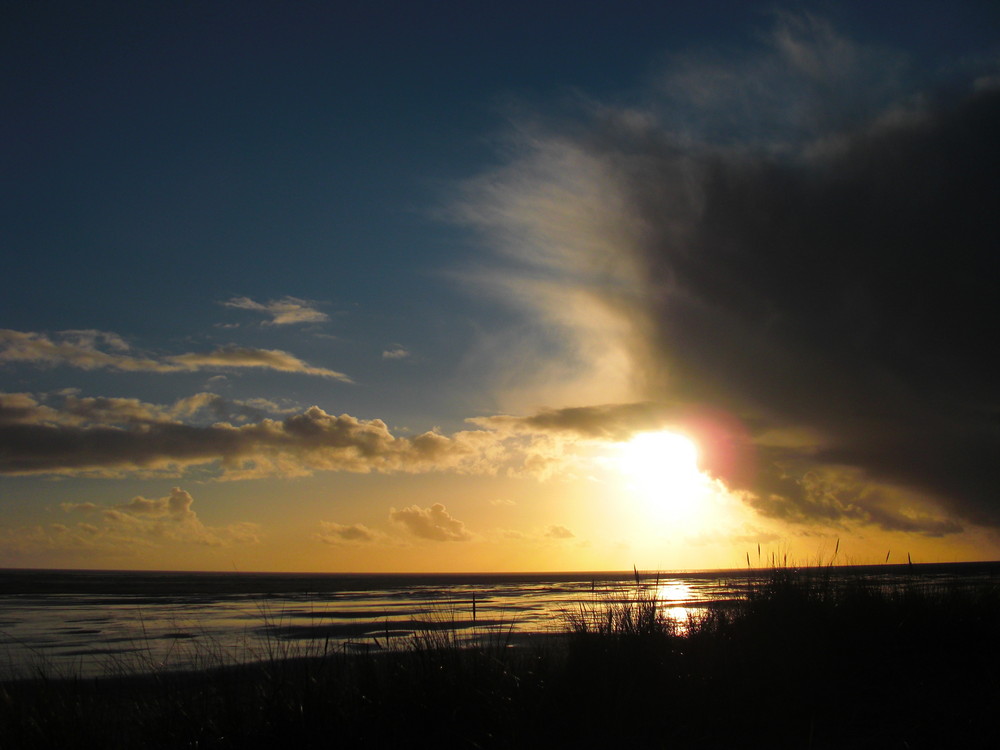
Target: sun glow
<point>662,468</point>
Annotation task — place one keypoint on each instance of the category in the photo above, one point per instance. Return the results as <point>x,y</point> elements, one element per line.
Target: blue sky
<point>426,213</point>
<point>165,160</point>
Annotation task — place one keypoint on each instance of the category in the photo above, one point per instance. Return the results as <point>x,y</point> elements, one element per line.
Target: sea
<point>80,623</point>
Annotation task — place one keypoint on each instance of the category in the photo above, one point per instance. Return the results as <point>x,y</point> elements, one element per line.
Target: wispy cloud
<point>68,408</point>
<point>559,532</point>
<point>282,312</point>
<point>230,410</point>
<point>82,349</point>
<point>613,422</point>
<point>269,359</point>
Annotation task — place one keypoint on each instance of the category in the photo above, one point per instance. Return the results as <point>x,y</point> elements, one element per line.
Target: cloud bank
<point>114,437</point>
<point>796,248</point>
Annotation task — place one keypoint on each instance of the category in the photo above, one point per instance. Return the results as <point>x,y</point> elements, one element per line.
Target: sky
<point>458,286</point>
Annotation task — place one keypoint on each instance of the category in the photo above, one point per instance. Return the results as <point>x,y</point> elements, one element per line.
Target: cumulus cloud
<point>809,270</point>
<point>338,533</point>
<point>434,523</point>
<point>83,349</point>
<point>82,507</point>
<point>144,521</point>
<point>284,311</point>
<point>396,352</point>
<point>559,532</point>
<point>176,505</point>
<point>20,407</point>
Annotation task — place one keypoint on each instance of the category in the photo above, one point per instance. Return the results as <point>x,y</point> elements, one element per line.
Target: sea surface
<point>93,623</point>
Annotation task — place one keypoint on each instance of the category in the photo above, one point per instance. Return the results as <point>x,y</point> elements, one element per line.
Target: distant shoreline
<point>50,580</point>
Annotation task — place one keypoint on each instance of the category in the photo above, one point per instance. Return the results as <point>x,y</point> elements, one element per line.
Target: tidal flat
<point>801,659</point>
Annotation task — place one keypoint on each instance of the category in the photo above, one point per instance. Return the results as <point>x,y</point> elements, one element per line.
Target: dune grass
<point>798,662</point>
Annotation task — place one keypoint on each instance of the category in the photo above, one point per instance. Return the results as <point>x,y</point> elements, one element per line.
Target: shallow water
<point>93,623</point>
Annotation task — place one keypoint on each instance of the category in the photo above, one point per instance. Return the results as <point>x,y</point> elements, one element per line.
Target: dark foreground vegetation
<point>797,663</point>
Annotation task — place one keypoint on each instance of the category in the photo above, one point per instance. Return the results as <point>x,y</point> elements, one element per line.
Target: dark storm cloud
<point>850,293</point>
<point>820,289</point>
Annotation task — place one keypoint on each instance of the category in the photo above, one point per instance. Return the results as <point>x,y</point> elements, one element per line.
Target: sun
<point>662,468</point>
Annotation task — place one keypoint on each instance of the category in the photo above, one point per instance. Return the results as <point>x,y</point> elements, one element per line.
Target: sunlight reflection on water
<point>97,633</point>
<point>130,622</point>
<point>678,591</point>
<point>678,602</point>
